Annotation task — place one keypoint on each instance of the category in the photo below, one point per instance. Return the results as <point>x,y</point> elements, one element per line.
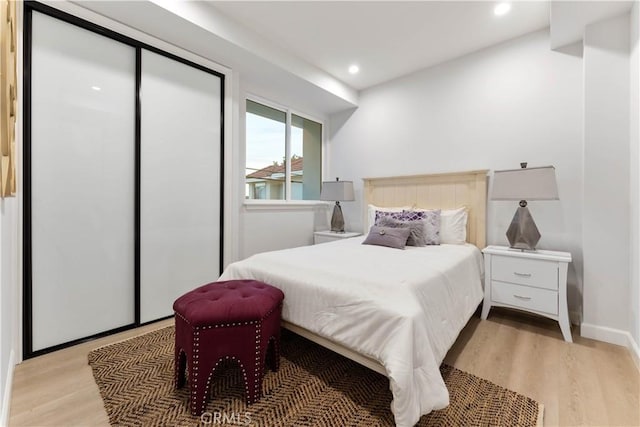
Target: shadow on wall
<point>339,119</point>
<point>576,49</point>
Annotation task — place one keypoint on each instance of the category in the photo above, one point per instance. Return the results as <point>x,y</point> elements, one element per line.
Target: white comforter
<point>404,308</point>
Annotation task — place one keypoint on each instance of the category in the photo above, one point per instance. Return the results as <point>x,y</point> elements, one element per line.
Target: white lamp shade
<point>337,191</point>
<point>525,184</point>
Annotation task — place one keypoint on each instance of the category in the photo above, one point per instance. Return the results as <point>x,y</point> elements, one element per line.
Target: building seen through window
<point>266,168</point>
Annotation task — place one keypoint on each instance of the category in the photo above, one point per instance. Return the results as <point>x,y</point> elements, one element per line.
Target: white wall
<point>634,133</point>
<point>271,226</point>
<point>517,101</point>
<point>8,300</point>
<point>606,180</point>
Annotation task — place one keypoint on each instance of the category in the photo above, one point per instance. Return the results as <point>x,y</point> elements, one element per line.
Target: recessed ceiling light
<point>96,88</point>
<point>502,9</point>
<point>354,69</point>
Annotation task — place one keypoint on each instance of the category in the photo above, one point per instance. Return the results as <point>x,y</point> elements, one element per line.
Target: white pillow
<point>371,213</point>
<point>453,226</point>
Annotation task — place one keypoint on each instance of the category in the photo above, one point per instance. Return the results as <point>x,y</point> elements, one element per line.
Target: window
<point>269,176</point>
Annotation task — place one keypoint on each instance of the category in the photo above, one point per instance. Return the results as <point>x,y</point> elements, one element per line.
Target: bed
<point>395,311</point>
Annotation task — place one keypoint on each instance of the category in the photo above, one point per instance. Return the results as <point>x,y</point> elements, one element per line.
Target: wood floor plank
<point>587,383</point>
<point>580,384</point>
<point>58,389</point>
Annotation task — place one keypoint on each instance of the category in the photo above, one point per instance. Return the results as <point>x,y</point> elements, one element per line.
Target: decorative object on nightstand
<point>337,191</point>
<point>330,236</point>
<point>531,281</point>
<point>524,184</point>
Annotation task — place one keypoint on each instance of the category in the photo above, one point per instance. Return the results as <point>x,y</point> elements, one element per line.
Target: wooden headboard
<point>437,191</point>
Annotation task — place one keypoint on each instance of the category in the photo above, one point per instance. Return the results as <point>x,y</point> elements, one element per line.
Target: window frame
<point>287,201</point>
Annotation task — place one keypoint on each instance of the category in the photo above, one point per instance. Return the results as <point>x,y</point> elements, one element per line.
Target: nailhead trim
<point>258,362</point>
<point>182,317</point>
<point>194,360</point>
<point>232,324</point>
<point>177,366</point>
<point>258,371</point>
<point>244,374</point>
<point>251,398</point>
<point>279,306</point>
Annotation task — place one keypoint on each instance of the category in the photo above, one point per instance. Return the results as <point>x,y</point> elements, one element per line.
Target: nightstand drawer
<point>530,272</point>
<point>525,297</point>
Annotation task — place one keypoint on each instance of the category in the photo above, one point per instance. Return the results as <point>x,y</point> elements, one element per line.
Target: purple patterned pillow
<point>431,226</point>
<point>401,216</point>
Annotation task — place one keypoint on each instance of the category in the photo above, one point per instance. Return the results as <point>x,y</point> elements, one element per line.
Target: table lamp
<point>339,191</point>
<point>538,183</point>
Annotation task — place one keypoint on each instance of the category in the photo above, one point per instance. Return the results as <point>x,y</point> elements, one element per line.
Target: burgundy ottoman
<point>237,320</point>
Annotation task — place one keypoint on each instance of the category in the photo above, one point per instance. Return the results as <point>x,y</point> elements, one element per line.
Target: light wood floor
<point>585,383</point>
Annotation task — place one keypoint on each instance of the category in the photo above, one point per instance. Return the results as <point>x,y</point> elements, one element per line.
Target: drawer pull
<point>522,274</point>
<point>521,297</point>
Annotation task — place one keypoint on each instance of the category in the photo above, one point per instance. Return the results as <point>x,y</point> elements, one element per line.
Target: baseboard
<point>604,333</point>
<point>634,349</point>
<point>6,395</point>
<point>613,336</point>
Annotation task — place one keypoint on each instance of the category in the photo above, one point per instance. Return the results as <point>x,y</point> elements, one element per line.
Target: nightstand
<point>533,281</point>
<point>330,236</point>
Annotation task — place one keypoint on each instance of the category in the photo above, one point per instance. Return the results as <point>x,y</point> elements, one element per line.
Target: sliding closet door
<point>180,181</point>
<point>82,162</point>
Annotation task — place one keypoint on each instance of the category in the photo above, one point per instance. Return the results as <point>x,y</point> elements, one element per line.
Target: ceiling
<point>385,39</point>
<point>195,27</point>
<point>298,52</point>
<point>568,18</point>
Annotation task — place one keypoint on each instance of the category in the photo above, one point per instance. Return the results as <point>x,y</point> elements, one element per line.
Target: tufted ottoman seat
<point>236,319</point>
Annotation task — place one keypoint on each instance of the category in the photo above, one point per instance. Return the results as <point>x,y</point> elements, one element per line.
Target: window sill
<point>285,204</point>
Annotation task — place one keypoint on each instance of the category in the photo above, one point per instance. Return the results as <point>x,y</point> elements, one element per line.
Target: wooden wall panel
<point>8,96</point>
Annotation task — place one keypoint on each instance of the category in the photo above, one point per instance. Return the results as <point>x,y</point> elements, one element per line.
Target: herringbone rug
<point>313,387</point>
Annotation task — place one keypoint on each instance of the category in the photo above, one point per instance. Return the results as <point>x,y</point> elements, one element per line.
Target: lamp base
<point>337,220</point>
<point>523,233</point>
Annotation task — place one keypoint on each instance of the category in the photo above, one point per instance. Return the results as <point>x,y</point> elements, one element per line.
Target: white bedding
<point>404,308</point>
